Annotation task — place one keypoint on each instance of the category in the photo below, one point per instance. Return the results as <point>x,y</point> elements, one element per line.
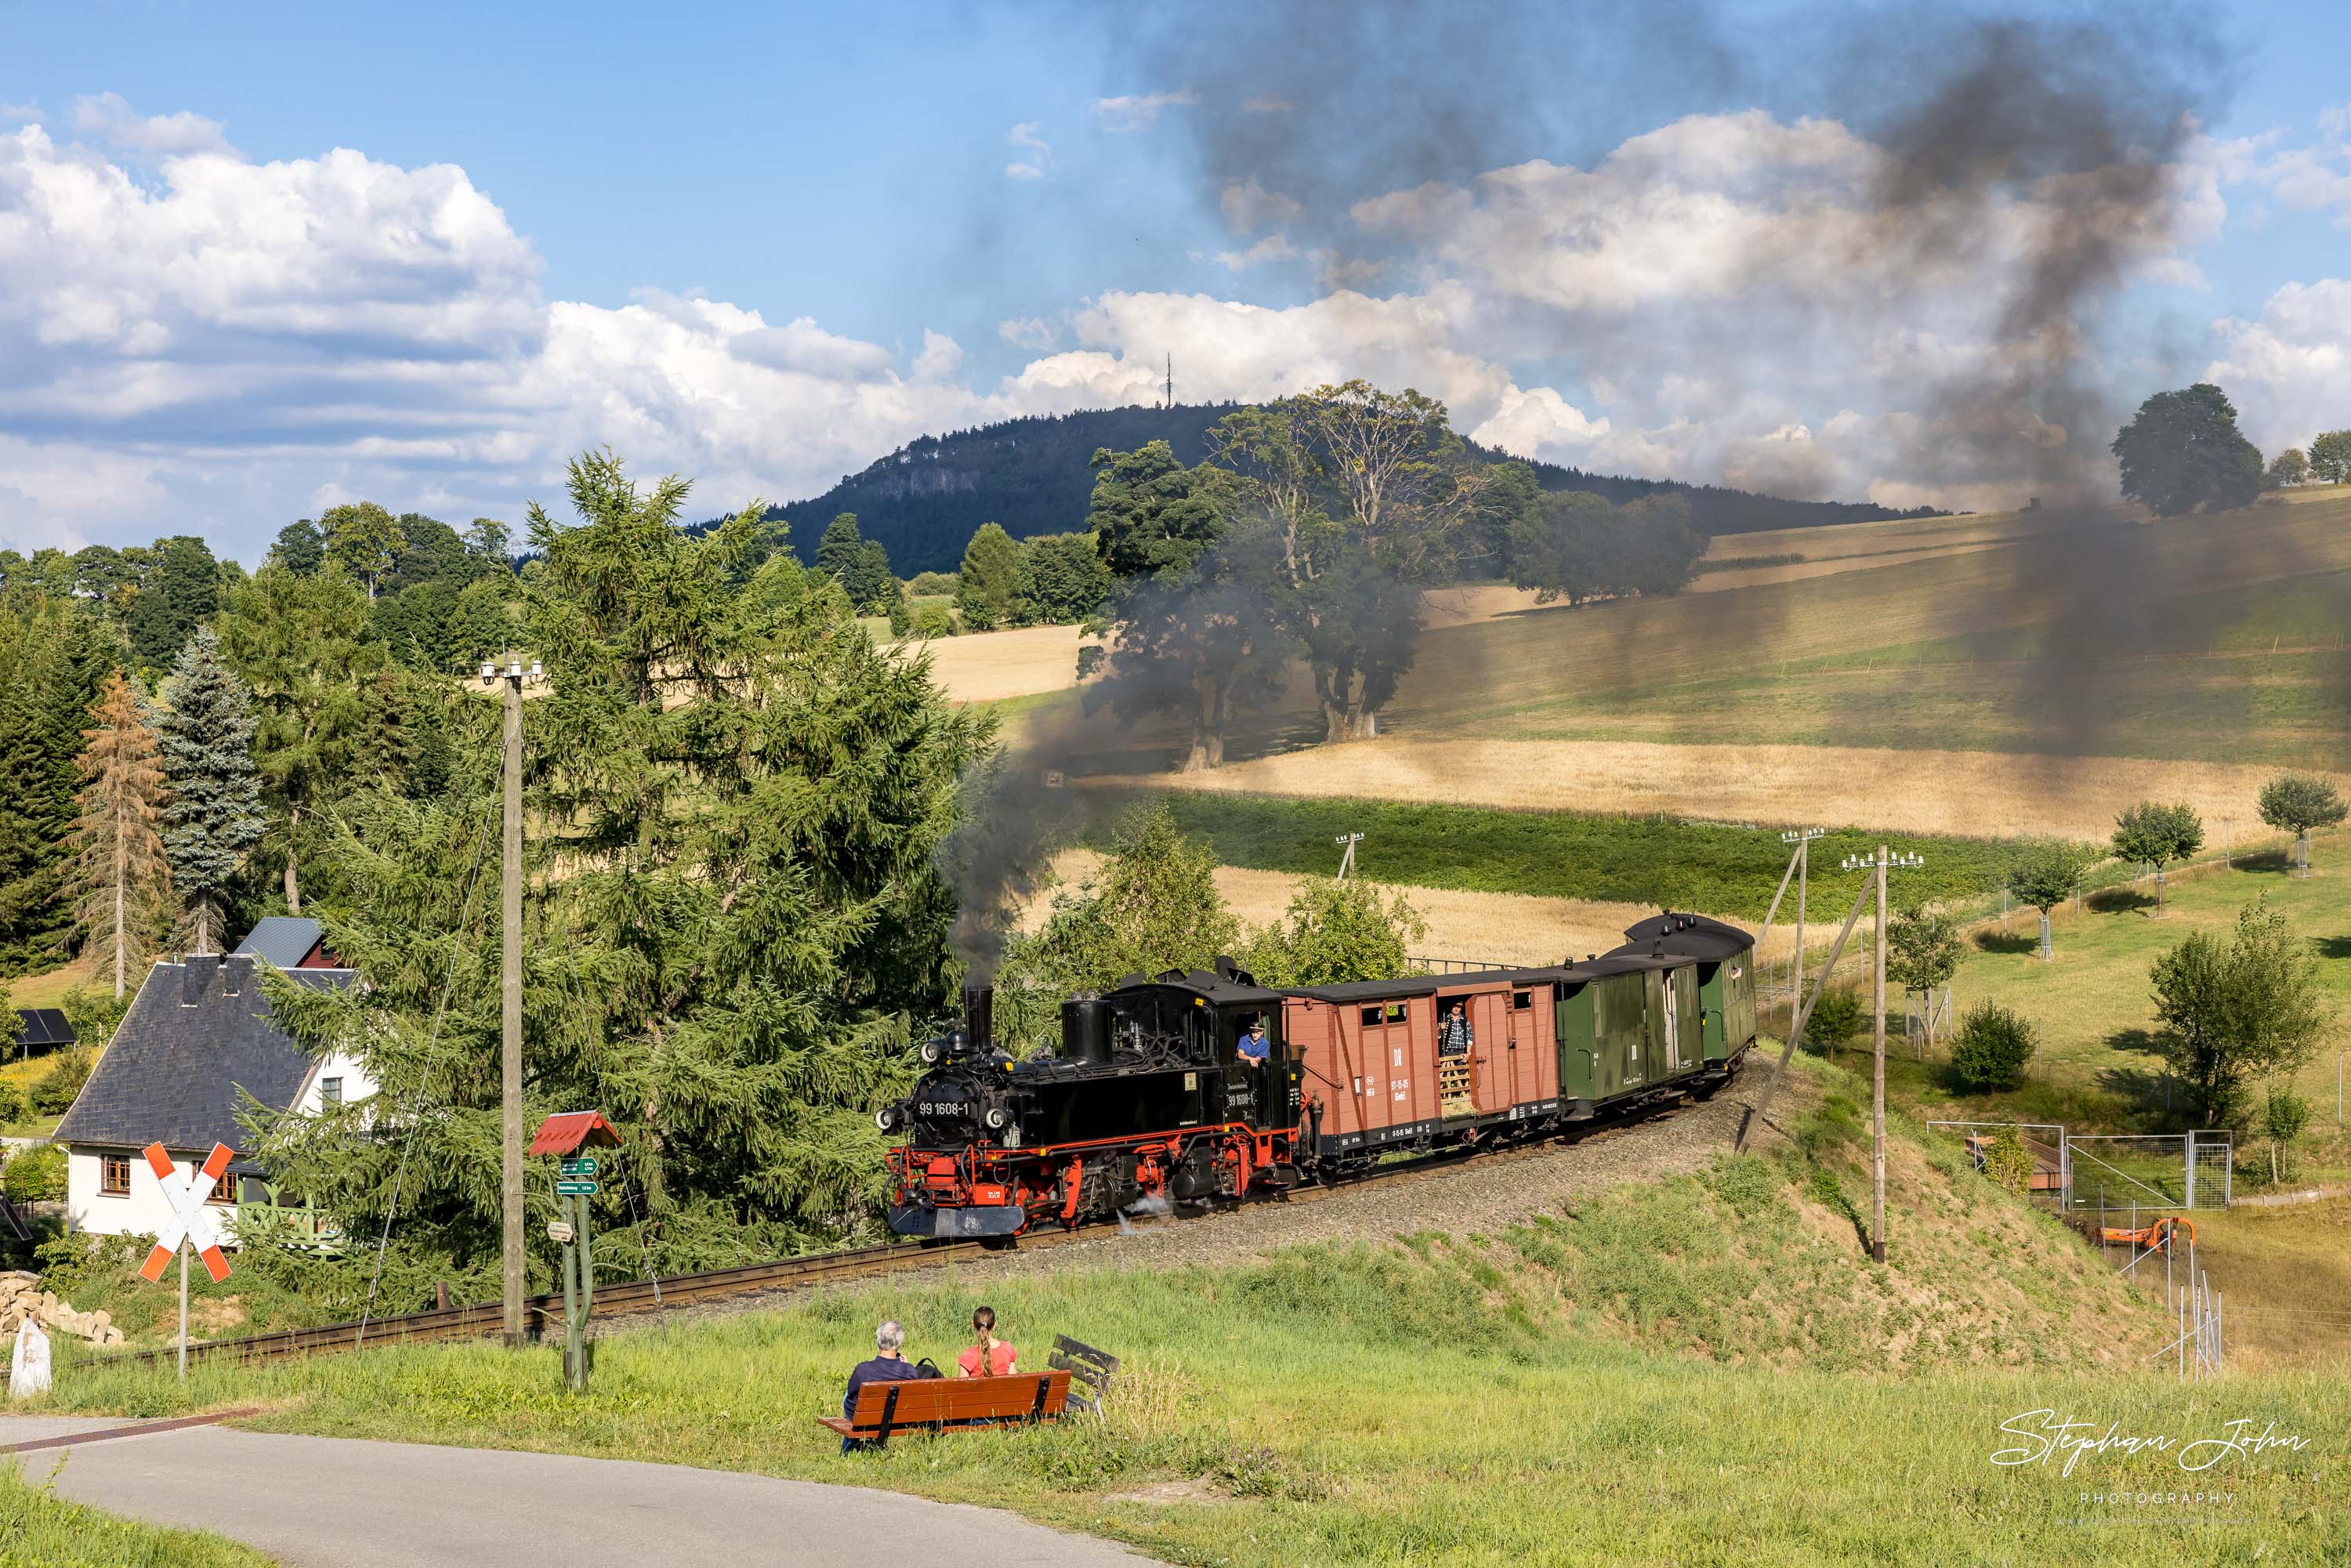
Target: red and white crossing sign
<point>189,1222</point>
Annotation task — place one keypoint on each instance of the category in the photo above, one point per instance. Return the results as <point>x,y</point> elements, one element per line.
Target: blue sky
<point>988,210</point>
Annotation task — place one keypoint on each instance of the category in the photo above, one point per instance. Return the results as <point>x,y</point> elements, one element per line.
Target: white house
<point>198,1034</point>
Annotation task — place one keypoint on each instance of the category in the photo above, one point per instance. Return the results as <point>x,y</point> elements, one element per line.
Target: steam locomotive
<point>1149,1100</point>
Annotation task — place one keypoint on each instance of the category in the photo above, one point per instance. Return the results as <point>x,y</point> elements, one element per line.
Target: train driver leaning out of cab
<point>1455,1039</point>
<point>1254,1047</point>
<point>991,1356</point>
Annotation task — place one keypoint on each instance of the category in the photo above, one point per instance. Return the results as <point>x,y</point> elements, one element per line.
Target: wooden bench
<point>952,1405</point>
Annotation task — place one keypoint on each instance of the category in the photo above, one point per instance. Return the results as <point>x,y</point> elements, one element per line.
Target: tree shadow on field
<point>2007,942</point>
<point>2119,900</point>
<point>2333,947</point>
<point>2270,862</point>
<point>2149,1095</point>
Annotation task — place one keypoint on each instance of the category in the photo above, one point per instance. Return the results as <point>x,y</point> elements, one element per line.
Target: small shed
<point>42,1028</point>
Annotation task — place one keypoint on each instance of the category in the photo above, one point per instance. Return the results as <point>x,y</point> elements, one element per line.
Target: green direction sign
<point>575,1188</point>
<point>580,1165</point>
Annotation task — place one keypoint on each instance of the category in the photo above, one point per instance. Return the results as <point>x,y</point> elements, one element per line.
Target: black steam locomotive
<point>1150,1099</point>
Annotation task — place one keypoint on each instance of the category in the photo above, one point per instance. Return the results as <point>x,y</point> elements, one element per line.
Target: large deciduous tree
<point>989,586</point>
<point>1334,932</point>
<point>179,588</point>
<point>2287,469</point>
<point>731,914</point>
<point>2155,835</point>
<point>303,646</point>
<point>120,883</point>
<point>2330,458</point>
<point>1198,637</point>
<point>1363,491</point>
<point>2183,450</point>
<point>2228,1013</point>
<point>1066,576</point>
<point>363,539</point>
<point>214,815</point>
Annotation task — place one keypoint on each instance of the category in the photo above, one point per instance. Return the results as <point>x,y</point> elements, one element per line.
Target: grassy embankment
<point>41,1530</point>
<point>1703,1370</point>
<point>2097,1069</point>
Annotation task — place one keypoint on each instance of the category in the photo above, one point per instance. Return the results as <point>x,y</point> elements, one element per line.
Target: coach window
<point>1522,1001</point>
<point>1371,1018</point>
<point>114,1176</point>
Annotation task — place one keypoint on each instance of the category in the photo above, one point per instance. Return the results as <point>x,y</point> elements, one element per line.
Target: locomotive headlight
<point>995,1118</point>
<point>886,1118</point>
<point>930,1051</point>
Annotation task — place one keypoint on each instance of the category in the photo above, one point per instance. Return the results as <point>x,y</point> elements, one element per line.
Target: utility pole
<point>1878,868</point>
<point>510,1002</point>
<point>1803,839</point>
<point>1347,861</point>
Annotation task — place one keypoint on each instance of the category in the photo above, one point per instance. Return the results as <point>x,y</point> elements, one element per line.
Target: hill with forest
<point>924,501</point>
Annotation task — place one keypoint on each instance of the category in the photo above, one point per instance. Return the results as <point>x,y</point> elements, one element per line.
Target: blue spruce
<point>215,814</point>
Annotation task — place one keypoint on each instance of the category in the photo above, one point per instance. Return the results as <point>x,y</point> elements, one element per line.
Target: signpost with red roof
<point>566,1135</point>
<point>190,1228</point>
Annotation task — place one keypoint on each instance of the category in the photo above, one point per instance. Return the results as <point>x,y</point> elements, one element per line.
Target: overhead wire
<point>431,1053</point>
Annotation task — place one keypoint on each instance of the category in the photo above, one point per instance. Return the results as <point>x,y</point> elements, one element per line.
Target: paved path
<point>337,1503</point>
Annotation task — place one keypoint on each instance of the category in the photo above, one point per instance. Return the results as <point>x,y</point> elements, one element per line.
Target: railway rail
<point>543,1315</point>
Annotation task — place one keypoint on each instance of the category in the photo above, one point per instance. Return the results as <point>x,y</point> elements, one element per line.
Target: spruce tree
<point>744,796</point>
<point>53,655</point>
<point>120,883</point>
<point>303,645</point>
<point>215,814</point>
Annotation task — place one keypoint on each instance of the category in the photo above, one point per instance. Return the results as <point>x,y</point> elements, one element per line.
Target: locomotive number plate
<point>942,1108</point>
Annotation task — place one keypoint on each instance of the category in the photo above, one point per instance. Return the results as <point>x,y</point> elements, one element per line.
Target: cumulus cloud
<point>2289,373</point>
<point>2315,177</point>
<point>1140,112</point>
<point>109,120</point>
<point>220,342</point>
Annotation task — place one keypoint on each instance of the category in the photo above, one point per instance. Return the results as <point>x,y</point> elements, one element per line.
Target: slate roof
<point>197,1032</point>
<point>284,939</point>
<point>44,1027</point>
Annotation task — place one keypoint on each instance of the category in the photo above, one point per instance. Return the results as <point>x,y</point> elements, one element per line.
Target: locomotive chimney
<point>978,1016</point>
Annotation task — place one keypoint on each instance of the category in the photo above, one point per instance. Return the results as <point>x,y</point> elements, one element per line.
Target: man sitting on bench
<point>887,1366</point>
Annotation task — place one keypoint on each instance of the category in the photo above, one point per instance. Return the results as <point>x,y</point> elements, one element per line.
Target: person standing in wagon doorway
<point>990,1357</point>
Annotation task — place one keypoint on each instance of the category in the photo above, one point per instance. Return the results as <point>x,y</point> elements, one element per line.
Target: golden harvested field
<point>1974,794</point>
<point>1504,928</point>
<point>989,666</point>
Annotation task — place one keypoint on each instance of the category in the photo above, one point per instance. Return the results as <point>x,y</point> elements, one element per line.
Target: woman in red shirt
<point>991,1357</point>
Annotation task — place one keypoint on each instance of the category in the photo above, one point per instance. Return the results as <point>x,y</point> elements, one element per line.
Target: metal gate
<point>2171,1170</point>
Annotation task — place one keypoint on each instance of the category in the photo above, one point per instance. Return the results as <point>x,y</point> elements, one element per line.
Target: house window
<point>114,1174</point>
<point>330,1092</point>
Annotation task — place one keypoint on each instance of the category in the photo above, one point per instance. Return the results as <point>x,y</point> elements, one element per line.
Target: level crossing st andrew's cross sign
<point>189,1222</point>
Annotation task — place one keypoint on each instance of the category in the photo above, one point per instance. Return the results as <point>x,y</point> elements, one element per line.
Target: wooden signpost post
<point>567,1135</point>
<point>190,1227</point>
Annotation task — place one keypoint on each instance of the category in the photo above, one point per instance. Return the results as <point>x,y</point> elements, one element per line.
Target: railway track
<point>543,1315</point>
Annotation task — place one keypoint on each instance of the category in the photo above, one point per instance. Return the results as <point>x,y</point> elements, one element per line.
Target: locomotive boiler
<point>1148,1099</point>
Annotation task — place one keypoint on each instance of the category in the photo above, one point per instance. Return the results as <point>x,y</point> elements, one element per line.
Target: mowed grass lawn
<point>1699,1371</point>
<point>2098,1069</point>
